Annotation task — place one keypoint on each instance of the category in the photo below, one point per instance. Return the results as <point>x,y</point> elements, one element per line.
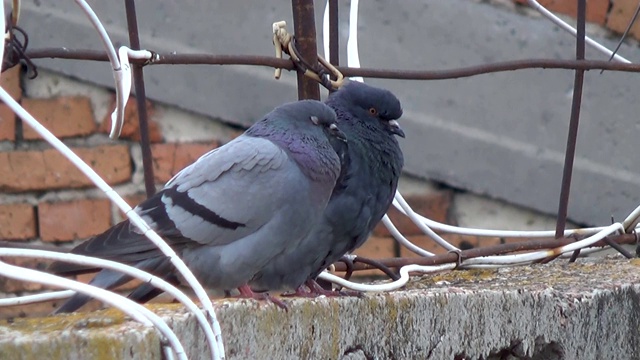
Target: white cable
<point>133,309</point>
<point>325,31</point>
<point>124,90</point>
<point>570,29</point>
<point>632,220</point>
<point>119,75</point>
<point>132,215</point>
<point>496,233</point>
<point>404,278</point>
<point>353,57</point>
<point>119,65</point>
<point>521,259</point>
<point>587,251</point>
<point>416,220</point>
<point>125,269</point>
<point>483,262</point>
<point>36,298</point>
<point>402,239</point>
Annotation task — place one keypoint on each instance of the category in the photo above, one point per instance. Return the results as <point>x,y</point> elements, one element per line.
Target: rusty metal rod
<point>334,33</point>
<point>526,245</point>
<point>334,36</point>
<point>304,25</point>
<point>141,100</point>
<point>272,62</point>
<point>574,122</point>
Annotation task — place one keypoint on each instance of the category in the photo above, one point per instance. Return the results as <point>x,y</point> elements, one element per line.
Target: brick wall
<point>614,15</point>
<point>44,199</point>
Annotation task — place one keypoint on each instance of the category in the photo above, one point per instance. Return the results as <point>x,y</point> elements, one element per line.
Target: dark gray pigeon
<point>232,211</point>
<point>364,191</point>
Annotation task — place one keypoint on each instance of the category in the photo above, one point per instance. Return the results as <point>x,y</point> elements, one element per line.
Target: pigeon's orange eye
<point>373,111</point>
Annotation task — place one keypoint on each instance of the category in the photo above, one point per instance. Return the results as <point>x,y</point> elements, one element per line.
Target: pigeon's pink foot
<point>311,289</point>
<point>247,293</point>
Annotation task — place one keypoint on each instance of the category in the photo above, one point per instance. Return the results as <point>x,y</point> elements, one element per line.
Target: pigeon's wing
<point>218,199</point>
<point>225,195</point>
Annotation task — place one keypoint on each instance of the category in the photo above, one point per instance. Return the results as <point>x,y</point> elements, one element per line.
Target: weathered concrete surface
<point>588,310</point>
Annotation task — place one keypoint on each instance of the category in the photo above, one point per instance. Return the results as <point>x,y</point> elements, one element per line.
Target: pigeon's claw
<point>311,289</point>
<point>247,293</point>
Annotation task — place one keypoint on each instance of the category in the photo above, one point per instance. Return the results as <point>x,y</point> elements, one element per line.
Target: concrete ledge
<point>588,310</point>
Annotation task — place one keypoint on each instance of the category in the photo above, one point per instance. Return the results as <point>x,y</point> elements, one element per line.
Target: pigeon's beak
<point>335,131</point>
<point>394,127</point>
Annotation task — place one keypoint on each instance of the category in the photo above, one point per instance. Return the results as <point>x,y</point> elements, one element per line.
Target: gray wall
<point>502,135</point>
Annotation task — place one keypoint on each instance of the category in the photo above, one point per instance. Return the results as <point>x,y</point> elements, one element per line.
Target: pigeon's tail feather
<point>110,279</point>
<point>74,303</point>
<point>105,279</point>
<point>146,291</point>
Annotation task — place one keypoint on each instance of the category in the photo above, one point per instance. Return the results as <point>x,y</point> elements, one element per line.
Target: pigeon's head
<point>306,113</point>
<point>372,103</point>
<point>324,116</point>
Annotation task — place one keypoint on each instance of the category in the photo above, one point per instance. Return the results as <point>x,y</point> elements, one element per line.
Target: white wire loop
<point>128,270</point>
<point>133,309</point>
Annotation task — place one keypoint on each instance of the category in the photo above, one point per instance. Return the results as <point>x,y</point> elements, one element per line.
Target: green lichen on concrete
<point>473,312</point>
<point>635,262</point>
<point>96,333</point>
<point>321,321</point>
<point>461,276</point>
<point>103,346</point>
<point>98,319</point>
<point>27,351</point>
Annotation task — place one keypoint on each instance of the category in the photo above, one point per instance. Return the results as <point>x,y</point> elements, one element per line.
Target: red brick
<point>131,125</point>
<point>7,123</point>
<point>12,286</point>
<point>135,199</point>
<point>72,220</point>
<point>65,116</point>
<point>10,81</point>
<point>48,169</point>
<point>596,9</point>
<point>434,205</point>
<point>17,222</point>
<point>375,248</point>
<point>169,159</point>
<point>621,14</point>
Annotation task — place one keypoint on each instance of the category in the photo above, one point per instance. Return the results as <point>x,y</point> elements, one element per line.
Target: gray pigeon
<point>233,210</point>
<point>364,191</point>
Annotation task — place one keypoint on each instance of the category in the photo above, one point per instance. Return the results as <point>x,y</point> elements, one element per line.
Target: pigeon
<point>233,210</point>
<point>370,170</point>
